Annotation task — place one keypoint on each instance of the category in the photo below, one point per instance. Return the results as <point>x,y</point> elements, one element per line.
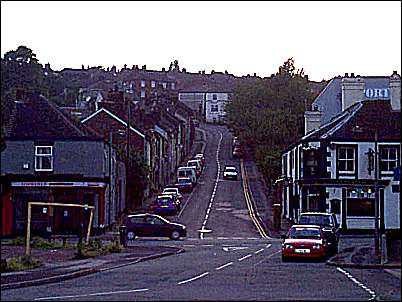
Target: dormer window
<point>43,158</point>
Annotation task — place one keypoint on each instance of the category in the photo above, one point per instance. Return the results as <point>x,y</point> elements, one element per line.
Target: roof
<point>369,116</point>
<point>330,98</point>
<point>38,118</point>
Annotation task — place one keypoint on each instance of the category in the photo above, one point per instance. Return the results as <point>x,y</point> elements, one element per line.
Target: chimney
<point>144,67</point>
<point>352,91</point>
<point>312,120</point>
<point>395,91</point>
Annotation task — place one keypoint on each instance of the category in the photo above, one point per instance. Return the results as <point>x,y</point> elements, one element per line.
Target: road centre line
<point>245,257</point>
<point>192,279</point>
<point>94,294</point>
<point>259,251</point>
<point>223,266</point>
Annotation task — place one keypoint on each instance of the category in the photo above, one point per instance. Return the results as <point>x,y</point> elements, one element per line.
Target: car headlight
<point>317,246</point>
<point>288,246</point>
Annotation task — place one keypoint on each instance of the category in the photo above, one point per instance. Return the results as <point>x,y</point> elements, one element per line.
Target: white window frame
<point>142,83</point>
<point>214,108</point>
<point>164,85</point>
<point>389,159</point>
<point>153,84</point>
<point>39,156</point>
<point>172,86</point>
<point>143,93</point>
<point>347,160</point>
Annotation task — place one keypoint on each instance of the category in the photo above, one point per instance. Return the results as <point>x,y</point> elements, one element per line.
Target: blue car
<point>165,205</point>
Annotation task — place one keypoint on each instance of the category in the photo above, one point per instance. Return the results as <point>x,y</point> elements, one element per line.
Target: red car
<point>304,241</point>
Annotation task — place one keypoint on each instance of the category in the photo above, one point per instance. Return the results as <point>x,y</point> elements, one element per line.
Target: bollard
<point>276,211</point>
<point>123,235</point>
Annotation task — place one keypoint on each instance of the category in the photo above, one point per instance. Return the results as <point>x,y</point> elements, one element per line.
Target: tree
<point>273,117</point>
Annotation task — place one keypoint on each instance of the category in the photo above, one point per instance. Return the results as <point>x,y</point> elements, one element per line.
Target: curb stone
<point>83,272</point>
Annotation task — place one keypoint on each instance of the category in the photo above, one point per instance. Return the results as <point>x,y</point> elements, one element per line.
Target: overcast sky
<point>325,38</point>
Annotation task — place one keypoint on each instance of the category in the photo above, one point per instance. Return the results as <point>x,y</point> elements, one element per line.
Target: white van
<point>187,172</point>
<point>196,163</point>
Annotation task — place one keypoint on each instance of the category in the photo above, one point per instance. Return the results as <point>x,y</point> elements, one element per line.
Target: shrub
<point>21,263</point>
<point>40,243</point>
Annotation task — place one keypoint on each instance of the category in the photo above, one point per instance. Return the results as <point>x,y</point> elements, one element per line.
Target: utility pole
<point>128,147</point>
<point>376,202</point>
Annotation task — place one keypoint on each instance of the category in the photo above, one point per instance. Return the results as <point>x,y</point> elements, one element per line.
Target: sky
<point>326,39</point>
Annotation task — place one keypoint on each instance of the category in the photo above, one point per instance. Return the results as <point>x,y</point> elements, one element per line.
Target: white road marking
<point>194,278</point>
<point>259,251</point>
<point>245,257</point>
<point>223,266</point>
<point>360,284</point>
<point>94,294</point>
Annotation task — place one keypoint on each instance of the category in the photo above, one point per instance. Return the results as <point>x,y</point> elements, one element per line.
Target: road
<point>229,261</point>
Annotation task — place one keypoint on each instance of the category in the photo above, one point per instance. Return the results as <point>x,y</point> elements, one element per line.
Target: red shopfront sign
<point>58,184</point>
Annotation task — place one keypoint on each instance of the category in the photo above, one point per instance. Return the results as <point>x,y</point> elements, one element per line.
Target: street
<point>225,256</point>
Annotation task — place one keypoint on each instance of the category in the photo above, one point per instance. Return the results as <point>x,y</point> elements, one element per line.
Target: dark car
<point>151,225</point>
<point>304,241</point>
<point>184,184</point>
<point>329,226</point>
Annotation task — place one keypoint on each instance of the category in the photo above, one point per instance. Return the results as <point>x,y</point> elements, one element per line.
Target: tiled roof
<point>369,116</point>
<point>38,118</point>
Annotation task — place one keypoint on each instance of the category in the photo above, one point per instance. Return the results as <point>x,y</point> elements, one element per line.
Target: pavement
<point>54,271</point>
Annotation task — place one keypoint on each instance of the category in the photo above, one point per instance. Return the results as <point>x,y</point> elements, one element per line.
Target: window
<point>389,158</point>
<point>360,202</point>
<point>142,83</point>
<point>214,108</point>
<point>214,97</point>
<point>346,159</point>
<point>172,86</point>
<point>43,158</point>
<point>143,93</point>
<point>164,85</point>
<point>153,84</point>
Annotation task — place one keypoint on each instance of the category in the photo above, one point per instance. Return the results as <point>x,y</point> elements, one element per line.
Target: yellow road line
<point>248,198</point>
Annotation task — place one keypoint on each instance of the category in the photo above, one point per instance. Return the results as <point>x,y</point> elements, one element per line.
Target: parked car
<point>237,152</point>
<point>166,204</point>
<point>201,157</point>
<point>196,164</point>
<point>329,226</point>
<point>187,172</point>
<point>230,172</point>
<point>304,241</point>
<point>184,184</point>
<point>151,225</point>
<point>173,190</point>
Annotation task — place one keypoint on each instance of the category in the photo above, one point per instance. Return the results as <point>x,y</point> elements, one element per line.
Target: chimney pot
<point>352,75</point>
<point>346,75</point>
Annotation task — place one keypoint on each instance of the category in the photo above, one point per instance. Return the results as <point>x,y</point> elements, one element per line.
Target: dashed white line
<point>194,278</point>
<point>223,266</point>
<point>259,251</point>
<point>245,257</point>
<point>94,294</point>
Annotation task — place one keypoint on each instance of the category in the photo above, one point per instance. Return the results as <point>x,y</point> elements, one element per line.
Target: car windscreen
<point>230,169</point>
<point>184,181</point>
<point>315,219</point>
<point>304,233</point>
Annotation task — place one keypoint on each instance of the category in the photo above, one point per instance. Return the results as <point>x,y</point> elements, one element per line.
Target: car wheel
<point>130,235</point>
<point>175,235</point>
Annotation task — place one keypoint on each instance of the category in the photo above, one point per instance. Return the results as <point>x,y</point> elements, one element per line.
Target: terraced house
<point>51,158</point>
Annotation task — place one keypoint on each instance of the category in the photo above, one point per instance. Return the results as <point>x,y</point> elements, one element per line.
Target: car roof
<point>315,213</point>
<point>164,195</point>
<point>310,226</point>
